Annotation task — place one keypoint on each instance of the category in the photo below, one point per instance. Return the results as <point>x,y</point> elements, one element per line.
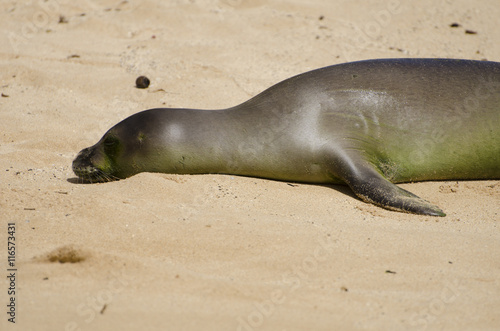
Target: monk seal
<point>367,124</point>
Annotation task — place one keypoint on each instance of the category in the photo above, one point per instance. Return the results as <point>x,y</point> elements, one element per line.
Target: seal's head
<point>130,147</point>
<point>98,163</point>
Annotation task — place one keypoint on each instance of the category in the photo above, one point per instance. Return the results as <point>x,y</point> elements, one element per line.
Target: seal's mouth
<point>91,174</point>
<point>88,172</point>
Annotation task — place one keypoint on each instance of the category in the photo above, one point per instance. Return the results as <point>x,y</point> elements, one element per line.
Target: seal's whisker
<point>105,177</point>
<point>93,175</point>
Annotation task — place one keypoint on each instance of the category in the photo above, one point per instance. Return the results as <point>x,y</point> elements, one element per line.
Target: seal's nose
<point>83,154</point>
<point>82,159</point>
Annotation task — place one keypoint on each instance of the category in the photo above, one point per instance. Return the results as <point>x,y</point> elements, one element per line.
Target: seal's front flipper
<point>369,185</point>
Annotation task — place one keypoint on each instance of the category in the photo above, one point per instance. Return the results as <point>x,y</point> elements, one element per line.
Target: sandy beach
<point>220,252</point>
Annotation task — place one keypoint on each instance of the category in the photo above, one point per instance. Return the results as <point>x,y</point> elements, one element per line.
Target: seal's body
<point>367,124</point>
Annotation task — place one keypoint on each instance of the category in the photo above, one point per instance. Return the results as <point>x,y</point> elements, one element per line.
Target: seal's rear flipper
<point>369,185</point>
<point>383,193</point>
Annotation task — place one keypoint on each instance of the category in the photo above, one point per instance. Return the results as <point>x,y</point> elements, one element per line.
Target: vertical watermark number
<point>11,272</point>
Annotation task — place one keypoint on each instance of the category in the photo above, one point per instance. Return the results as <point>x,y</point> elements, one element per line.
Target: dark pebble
<point>142,82</point>
<point>62,19</point>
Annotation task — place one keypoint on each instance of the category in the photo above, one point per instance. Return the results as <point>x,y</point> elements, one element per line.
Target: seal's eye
<point>110,141</point>
<point>111,145</point>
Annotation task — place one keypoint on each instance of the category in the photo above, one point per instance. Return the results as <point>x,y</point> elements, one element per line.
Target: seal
<point>367,124</point>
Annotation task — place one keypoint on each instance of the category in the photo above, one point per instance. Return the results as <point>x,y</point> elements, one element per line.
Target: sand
<point>213,252</point>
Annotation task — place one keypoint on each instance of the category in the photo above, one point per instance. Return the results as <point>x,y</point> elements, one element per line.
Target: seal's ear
<point>369,185</point>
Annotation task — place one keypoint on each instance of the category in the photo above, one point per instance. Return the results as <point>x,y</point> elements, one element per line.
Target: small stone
<point>142,82</point>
